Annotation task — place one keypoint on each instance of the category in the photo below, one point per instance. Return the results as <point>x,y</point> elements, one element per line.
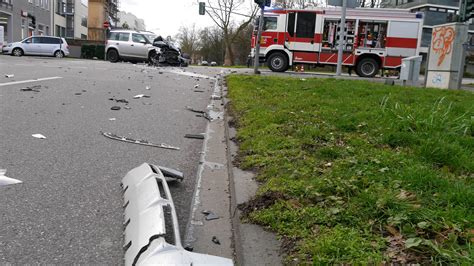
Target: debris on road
<point>112,119</point>
<point>194,110</point>
<point>141,96</point>
<point>139,141</point>
<point>215,240</point>
<point>196,86</point>
<point>115,108</point>
<point>147,88</point>
<point>210,215</point>
<point>127,107</point>
<point>77,93</point>
<point>194,136</point>
<point>32,88</point>
<point>5,180</point>
<point>9,76</point>
<point>198,91</point>
<point>38,136</point>
<point>171,174</point>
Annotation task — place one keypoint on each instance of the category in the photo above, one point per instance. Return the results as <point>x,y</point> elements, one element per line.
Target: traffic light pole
<point>342,31</point>
<point>257,42</point>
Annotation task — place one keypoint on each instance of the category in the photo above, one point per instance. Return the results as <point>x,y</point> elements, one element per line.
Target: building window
<point>60,31</point>
<point>84,21</point>
<point>83,36</point>
<point>60,7</point>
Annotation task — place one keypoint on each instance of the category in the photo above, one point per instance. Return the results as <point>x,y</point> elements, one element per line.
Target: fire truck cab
<point>374,38</point>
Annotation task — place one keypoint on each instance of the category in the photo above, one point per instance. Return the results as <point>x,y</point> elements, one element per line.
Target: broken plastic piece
<point>215,240</point>
<point>115,108</point>
<point>38,136</point>
<point>194,136</point>
<point>9,76</point>
<point>171,173</point>
<point>194,110</point>
<point>138,141</point>
<point>112,119</point>
<point>210,215</point>
<point>5,180</point>
<point>140,96</point>
<point>32,88</point>
<point>147,88</point>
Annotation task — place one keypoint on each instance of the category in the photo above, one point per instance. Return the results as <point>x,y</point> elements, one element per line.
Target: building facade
<point>23,18</point>
<point>70,18</point>
<point>436,12</point>
<point>130,21</point>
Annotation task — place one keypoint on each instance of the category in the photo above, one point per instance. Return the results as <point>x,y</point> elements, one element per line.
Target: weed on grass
<point>359,172</point>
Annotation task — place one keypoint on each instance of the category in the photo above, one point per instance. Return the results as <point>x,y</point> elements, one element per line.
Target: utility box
<point>446,56</point>
<point>410,71</point>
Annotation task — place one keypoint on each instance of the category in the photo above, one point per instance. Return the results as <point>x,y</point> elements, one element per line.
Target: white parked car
<point>38,45</point>
<point>129,45</point>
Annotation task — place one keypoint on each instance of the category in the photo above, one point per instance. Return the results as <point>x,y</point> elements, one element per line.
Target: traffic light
<point>202,8</point>
<point>467,10</point>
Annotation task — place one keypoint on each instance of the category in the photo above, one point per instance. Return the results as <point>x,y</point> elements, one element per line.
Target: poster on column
<point>2,36</point>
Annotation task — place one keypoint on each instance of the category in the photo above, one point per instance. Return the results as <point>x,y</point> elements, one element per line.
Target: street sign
<point>106,24</point>
<point>350,3</point>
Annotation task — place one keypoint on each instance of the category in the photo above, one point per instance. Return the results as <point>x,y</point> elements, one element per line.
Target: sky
<point>165,17</point>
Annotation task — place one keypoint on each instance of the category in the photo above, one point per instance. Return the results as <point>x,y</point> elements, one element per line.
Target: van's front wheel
<point>278,62</point>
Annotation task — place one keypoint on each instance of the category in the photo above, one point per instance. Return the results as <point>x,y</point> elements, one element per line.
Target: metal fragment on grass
<point>139,141</point>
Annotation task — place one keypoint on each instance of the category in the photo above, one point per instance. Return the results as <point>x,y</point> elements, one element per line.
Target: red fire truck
<point>374,38</point>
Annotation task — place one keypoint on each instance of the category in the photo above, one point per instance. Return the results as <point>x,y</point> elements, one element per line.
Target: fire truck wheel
<point>278,62</point>
<point>367,67</point>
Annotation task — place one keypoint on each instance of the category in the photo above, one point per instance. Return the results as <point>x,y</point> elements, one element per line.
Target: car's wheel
<point>17,52</point>
<point>278,62</point>
<point>112,55</point>
<point>58,54</point>
<point>367,67</point>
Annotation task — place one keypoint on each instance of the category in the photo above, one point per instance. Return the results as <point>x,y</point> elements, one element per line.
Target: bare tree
<point>222,12</point>
<point>188,37</point>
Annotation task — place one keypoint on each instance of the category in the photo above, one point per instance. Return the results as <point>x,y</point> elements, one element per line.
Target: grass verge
<point>359,172</point>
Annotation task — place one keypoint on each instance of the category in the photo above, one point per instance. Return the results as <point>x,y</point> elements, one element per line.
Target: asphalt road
<point>69,208</point>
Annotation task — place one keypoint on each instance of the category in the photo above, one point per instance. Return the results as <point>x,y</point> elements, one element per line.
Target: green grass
<point>359,172</point>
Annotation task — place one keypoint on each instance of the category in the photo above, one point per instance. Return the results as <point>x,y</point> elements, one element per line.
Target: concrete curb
<point>253,245</point>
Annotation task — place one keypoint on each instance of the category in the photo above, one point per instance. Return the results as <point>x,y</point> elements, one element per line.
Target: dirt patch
<point>260,202</point>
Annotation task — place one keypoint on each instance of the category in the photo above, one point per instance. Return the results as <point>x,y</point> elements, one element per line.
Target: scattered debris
<point>112,119</point>
<point>198,91</point>
<point>328,164</point>
<point>147,88</point>
<point>121,101</point>
<point>9,76</point>
<point>215,240</point>
<point>303,79</point>
<point>216,97</point>
<point>194,136</point>
<point>194,110</point>
<point>115,108</point>
<point>127,107</point>
<point>77,93</point>
<point>5,180</point>
<point>141,96</point>
<point>210,215</point>
<point>38,136</point>
<point>32,88</point>
<point>171,174</point>
<point>138,141</point>
<point>196,86</point>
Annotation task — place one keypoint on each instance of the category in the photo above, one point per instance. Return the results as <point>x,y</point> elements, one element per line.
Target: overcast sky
<point>166,16</point>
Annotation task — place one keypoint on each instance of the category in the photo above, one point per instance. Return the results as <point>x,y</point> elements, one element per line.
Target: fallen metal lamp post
<point>149,212</point>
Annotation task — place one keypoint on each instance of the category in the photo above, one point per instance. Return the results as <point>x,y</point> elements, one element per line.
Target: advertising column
<point>447,55</point>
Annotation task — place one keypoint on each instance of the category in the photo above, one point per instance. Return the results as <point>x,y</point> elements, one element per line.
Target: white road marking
<point>28,81</point>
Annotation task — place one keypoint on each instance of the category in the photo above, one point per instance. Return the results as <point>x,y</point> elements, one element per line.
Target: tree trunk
<point>229,55</point>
